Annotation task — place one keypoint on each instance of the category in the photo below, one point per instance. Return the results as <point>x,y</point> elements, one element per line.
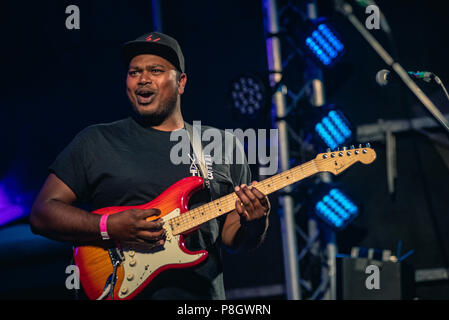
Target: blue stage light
<point>324,44</point>
<point>336,209</point>
<point>328,139</point>
<point>334,129</point>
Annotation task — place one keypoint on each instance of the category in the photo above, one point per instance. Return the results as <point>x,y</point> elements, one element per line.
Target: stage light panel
<point>333,129</point>
<point>336,209</point>
<point>324,44</point>
<point>248,95</point>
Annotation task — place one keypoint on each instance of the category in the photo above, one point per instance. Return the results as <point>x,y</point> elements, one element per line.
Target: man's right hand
<point>54,216</point>
<point>132,226</point>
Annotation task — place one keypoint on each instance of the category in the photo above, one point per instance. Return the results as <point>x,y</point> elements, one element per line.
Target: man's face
<point>153,87</point>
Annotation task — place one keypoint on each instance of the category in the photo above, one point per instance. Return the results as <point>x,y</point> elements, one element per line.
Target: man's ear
<point>182,83</point>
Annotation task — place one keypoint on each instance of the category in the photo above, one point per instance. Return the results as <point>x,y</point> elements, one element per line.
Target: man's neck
<point>171,124</point>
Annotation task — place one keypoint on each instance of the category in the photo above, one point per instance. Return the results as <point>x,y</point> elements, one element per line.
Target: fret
<point>204,213</point>
<point>316,168</point>
<point>267,186</point>
<point>225,204</point>
<point>302,173</point>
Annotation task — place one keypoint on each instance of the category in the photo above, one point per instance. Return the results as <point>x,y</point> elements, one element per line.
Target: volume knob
<point>132,262</point>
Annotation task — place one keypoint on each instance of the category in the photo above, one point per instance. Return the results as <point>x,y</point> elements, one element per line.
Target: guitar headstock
<point>339,160</point>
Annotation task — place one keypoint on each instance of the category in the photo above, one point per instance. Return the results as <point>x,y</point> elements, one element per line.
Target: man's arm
<point>54,216</point>
<point>246,226</point>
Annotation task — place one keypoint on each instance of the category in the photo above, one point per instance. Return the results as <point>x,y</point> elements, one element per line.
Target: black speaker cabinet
<point>367,279</point>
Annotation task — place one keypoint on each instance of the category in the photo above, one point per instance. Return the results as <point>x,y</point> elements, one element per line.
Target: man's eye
<point>157,70</point>
<point>133,73</point>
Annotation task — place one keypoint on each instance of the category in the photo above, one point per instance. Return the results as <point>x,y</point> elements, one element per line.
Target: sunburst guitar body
<point>140,264</point>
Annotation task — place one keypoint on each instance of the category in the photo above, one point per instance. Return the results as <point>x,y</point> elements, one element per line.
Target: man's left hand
<point>251,204</point>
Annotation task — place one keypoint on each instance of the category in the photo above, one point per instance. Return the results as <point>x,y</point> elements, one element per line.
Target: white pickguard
<point>140,263</point>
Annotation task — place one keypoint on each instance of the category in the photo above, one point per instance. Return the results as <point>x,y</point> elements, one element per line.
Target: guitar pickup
<point>168,231</point>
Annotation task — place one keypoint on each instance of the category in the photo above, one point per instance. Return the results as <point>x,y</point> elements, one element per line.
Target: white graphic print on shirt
<point>194,171</point>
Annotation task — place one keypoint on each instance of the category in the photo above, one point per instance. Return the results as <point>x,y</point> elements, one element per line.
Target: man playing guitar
<point>127,163</point>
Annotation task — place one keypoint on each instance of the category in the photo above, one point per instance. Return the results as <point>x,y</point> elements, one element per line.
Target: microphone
<point>384,77</point>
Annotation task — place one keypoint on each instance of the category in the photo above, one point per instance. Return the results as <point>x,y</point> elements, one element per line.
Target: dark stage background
<point>56,82</point>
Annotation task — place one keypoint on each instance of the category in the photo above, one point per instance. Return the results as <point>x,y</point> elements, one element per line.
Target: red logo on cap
<point>152,40</point>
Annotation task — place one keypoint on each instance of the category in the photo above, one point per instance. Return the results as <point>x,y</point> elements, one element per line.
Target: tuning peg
<point>328,150</point>
<point>368,145</point>
<point>360,146</point>
<point>345,148</point>
<point>352,146</point>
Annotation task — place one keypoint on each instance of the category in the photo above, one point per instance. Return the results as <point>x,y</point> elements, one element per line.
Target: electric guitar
<point>134,267</point>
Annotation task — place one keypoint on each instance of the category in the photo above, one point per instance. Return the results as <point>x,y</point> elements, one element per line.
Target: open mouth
<point>145,96</point>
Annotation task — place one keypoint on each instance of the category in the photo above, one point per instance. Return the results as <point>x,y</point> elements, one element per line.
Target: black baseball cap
<point>155,43</point>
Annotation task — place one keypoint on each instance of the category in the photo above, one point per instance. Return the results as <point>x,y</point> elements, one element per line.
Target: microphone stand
<point>346,10</point>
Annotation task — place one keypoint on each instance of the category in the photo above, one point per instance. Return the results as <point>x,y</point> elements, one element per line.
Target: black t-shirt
<point>124,164</point>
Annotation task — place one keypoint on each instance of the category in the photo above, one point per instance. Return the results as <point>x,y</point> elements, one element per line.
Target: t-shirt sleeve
<point>70,166</point>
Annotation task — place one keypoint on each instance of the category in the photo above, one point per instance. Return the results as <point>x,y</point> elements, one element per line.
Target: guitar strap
<point>195,141</point>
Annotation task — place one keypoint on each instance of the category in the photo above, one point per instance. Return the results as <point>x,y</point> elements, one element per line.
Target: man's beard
<point>157,117</point>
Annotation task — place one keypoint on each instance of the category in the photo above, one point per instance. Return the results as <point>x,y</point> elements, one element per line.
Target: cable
<point>346,10</point>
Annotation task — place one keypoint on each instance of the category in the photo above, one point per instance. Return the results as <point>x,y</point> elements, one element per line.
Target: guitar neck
<point>226,204</point>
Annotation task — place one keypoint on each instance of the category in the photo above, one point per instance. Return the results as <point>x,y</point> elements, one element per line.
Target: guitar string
<point>185,221</point>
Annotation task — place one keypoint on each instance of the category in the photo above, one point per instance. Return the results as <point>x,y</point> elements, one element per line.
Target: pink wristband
<point>104,227</point>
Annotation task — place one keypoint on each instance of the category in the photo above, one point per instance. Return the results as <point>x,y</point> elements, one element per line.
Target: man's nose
<point>145,78</point>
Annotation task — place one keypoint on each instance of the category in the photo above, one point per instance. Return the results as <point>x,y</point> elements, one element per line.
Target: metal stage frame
<point>322,247</point>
